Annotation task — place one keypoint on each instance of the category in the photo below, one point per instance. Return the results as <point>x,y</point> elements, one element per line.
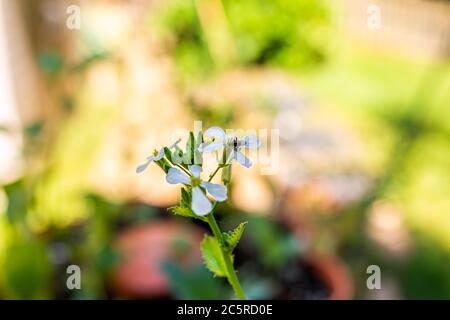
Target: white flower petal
<point>175,176</point>
<point>195,170</point>
<point>239,157</point>
<point>250,142</point>
<point>216,133</point>
<point>142,167</point>
<point>200,202</point>
<point>160,155</point>
<point>208,147</point>
<point>217,191</point>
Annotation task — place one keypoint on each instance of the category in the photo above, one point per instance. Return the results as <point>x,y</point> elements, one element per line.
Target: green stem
<point>184,169</point>
<point>179,166</point>
<point>214,173</point>
<point>231,272</point>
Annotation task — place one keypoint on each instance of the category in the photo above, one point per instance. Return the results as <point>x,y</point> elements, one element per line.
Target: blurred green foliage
<point>287,33</point>
<point>27,271</point>
<point>275,247</point>
<point>214,115</point>
<point>372,90</point>
<point>50,62</point>
<point>194,283</point>
<point>284,33</point>
<point>18,198</point>
<point>426,274</point>
<point>178,19</point>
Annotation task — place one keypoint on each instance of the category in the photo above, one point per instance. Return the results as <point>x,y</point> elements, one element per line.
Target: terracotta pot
<point>334,274</point>
<point>329,268</point>
<point>144,248</point>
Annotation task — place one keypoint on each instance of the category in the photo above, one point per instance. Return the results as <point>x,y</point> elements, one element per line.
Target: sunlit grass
<point>369,88</point>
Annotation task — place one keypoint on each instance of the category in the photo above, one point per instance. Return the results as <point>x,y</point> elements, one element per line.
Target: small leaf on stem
<point>232,237</point>
<point>183,211</point>
<point>198,156</point>
<point>168,153</point>
<point>190,149</point>
<point>212,256</point>
<point>185,198</point>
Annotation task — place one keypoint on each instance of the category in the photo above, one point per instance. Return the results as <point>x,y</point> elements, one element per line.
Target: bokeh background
<point>364,146</point>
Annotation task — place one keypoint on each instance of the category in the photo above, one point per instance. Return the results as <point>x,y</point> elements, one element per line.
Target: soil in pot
<point>270,253</point>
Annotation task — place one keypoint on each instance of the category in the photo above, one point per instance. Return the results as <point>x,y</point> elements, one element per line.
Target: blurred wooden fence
<point>415,27</point>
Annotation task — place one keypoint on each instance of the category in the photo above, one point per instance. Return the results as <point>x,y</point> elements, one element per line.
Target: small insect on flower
<point>201,205</point>
<point>232,145</point>
<point>156,156</point>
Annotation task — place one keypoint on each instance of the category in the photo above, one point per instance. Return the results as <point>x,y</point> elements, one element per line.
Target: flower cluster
<point>185,167</point>
<point>230,145</point>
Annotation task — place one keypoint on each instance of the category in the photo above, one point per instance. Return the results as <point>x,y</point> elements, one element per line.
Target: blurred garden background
<point>364,164</point>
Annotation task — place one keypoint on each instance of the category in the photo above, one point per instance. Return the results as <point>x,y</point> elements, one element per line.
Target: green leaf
<point>177,156</point>
<point>163,164</point>
<point>168,154</point>
<point>199,138</point>
<point>212,256</point>
<point>178,149</point>
<point>198,156</point>
<point>184,212</point>
<point>192,142</point>
<point>185,198</point>
<point>190,149</point>
<point>232,237</point>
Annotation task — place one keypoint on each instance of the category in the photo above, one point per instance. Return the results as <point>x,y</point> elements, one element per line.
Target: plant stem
<point>214,173</point>
<point>179,166</point>
<point>184,169</point>
<point>231,272</point>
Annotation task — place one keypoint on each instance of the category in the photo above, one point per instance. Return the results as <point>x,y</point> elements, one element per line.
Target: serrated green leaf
<point>232,237</point>
<point>183,211</point>
<point>212,256</point>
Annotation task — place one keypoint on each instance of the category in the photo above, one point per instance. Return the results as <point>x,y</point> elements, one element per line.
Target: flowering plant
<point>185,167</point>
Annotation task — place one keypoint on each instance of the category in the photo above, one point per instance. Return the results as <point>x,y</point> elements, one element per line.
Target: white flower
<point>232,145</point>
<point>156,156</point>
<point>200,202</point>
